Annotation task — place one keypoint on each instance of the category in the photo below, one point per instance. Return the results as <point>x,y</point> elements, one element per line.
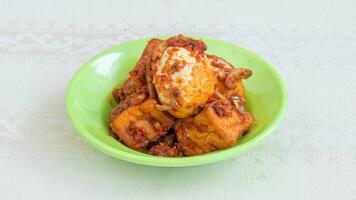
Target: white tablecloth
<point>311,155</point>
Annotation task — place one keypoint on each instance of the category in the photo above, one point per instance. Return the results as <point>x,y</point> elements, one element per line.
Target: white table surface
<point>311,155</point>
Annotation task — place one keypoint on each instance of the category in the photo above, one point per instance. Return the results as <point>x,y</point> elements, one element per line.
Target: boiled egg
<point>183,80</point>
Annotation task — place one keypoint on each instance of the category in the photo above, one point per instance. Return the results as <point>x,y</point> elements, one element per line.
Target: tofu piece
<point>138,125</point>
<point>218,126</point>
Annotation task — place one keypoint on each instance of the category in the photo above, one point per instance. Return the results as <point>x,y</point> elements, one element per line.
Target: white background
<point>311,155</point>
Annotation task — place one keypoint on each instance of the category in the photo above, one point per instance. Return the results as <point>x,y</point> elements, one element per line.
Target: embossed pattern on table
<point>311,155</point>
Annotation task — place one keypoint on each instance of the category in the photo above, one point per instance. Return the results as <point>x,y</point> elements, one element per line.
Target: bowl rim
<point>181,161</point>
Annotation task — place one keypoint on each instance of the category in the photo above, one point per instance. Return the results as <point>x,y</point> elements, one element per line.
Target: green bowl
<point>90,89</point>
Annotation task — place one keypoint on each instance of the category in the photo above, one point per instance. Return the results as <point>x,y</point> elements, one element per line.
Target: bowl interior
<point>90,90</point>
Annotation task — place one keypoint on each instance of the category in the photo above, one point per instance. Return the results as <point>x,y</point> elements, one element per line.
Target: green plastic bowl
<point>90,89</point>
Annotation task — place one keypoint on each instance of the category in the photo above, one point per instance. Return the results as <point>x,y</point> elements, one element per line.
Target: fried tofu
<point>218,126</point>
<point>138,125</point>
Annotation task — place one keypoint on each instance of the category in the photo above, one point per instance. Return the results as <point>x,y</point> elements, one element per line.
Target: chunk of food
<point>166,147</point>
<point>229,78</point>
<point>138,125</point>
<point>164,150</point>
<point>218,126</point>
<point>138,87</point>
<point>182,75</point>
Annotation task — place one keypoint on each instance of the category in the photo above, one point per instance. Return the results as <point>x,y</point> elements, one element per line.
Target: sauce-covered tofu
<point>138,125</point>
<point>218,126</point>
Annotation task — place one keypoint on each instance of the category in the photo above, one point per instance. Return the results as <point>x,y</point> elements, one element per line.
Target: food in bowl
<point>179,101</point>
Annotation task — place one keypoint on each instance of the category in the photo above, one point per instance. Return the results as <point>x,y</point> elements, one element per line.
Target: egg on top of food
<point>182,76</point>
